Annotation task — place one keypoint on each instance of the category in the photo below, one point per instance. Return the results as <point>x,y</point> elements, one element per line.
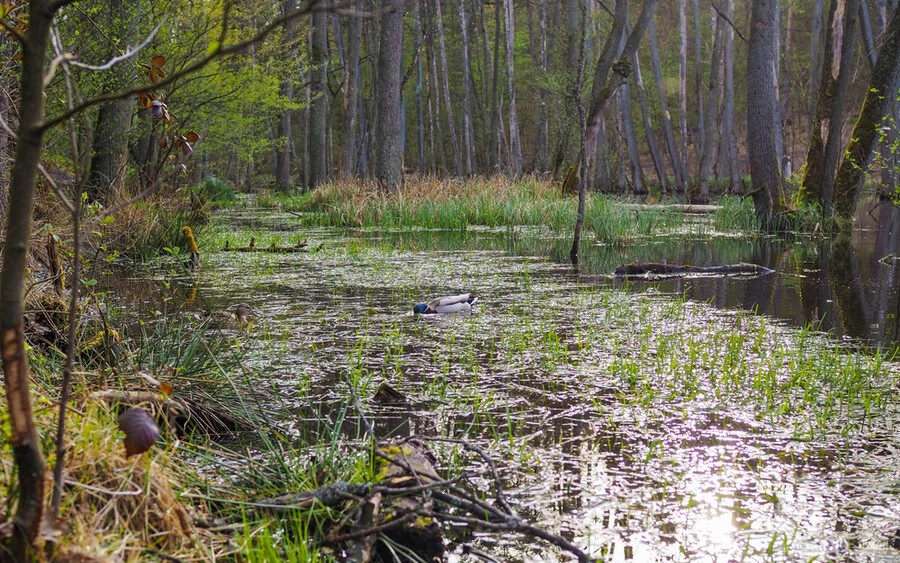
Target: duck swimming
<point>241,317</point>
<point>461,303</point>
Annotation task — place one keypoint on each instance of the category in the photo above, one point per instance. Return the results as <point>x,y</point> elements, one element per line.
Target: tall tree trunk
<point>468,133</point>
<point>700,145</point>
<point>682,91</point>
<point>515,143</point>
<point>388,137</point>
<point>707,157</point>
<point>762,108</point>
<point>106,175</point>
<point>540,59</point>
<point>23,435</point>
<point>815,56</point>
<point>825,144</point>
<point>420,113</point>
<point>283,136</point>
<point>785,92</point>
<point>604,86</point>
<point>876,107</point>
<point>655,156</point>
<point>865,29</point>
<point>352,71</point>
<point>318,112</point>
<point>494,149</point>
<point>674,159</point>
<point>436,88</point>
<point>734,174</point>
<point>457,158</point>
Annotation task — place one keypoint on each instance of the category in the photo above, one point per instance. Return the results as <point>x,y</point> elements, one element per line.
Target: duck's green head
<point>420,308</point>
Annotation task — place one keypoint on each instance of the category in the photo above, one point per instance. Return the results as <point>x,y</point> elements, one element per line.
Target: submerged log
<point>652,269</point>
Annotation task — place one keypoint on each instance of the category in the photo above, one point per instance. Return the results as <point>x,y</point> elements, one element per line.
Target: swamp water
<point>641,421</point>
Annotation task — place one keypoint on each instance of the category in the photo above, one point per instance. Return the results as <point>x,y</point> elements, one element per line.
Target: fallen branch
<point>656,270</point>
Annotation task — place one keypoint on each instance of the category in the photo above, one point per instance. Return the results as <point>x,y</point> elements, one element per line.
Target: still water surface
<point>567,376</point>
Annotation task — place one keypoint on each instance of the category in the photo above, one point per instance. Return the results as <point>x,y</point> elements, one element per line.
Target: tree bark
<point>674,159</point>
<point>457,158</point>
<point>785,92</point>
<point>420,110</point>
<point>707,157</point>
<point>352,71</point>
<point>658,163</point>
<point>318,111</point>
<point>762,108</point>
<point>515,143</point>
<point>468,133</point>
<point>825,144</point>
<point>735,184</point>
<point>541,60</point>
<point>283,136</point>
<point>815,56</point>
<point>30,465</point>
<point>878,103</point>
<point>700,145</point>
<point>604,88</point>
<point>388,137</point>
<point>682,91</point>
<point>494,149</point>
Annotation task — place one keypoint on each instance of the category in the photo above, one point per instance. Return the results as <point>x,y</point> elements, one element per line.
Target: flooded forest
<point>449,280</point>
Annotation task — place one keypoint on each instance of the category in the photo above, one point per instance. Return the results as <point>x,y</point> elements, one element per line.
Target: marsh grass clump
<point>457,204</point>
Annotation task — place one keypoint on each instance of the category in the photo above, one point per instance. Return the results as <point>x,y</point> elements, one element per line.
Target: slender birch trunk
<point>734,169</point>
<point>655,155</point>
<point>318,122</point>
<point>707,158</point>
<point>674,158</point>
<point>515,144</point>
<point>700,145</point>
<point>682,91</point>
<point>420,112</point>
<point>468,133</point>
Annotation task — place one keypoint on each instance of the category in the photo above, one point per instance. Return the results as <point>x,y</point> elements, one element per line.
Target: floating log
<point>672,270</point>
<point>299,247</point>
<point>679,207</point>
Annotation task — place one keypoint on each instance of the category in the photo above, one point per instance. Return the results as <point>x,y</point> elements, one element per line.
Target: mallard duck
<point>461,303</point>
<point>241,317</point>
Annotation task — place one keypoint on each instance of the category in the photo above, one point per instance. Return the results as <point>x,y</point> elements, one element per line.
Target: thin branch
<point>124,56</point>
<point>727,20</point>
<point>501,497</point>
<point>313,6</point>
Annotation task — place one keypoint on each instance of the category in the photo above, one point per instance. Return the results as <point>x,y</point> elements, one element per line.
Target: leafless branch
<point>728,21</point>
<point>124,56</point>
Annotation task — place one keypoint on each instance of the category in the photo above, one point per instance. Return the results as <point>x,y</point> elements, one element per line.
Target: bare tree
<point>762,108</point>
<point>707,156</point>
<point>457,158</point>
<point>515,143</point>
<point>878,103</point>
<point>350,137</point>
<point>468,133</point>
<point>825,142</point>
<point>388,144</point>
<point>318,110</point>
<point>674,158</point>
